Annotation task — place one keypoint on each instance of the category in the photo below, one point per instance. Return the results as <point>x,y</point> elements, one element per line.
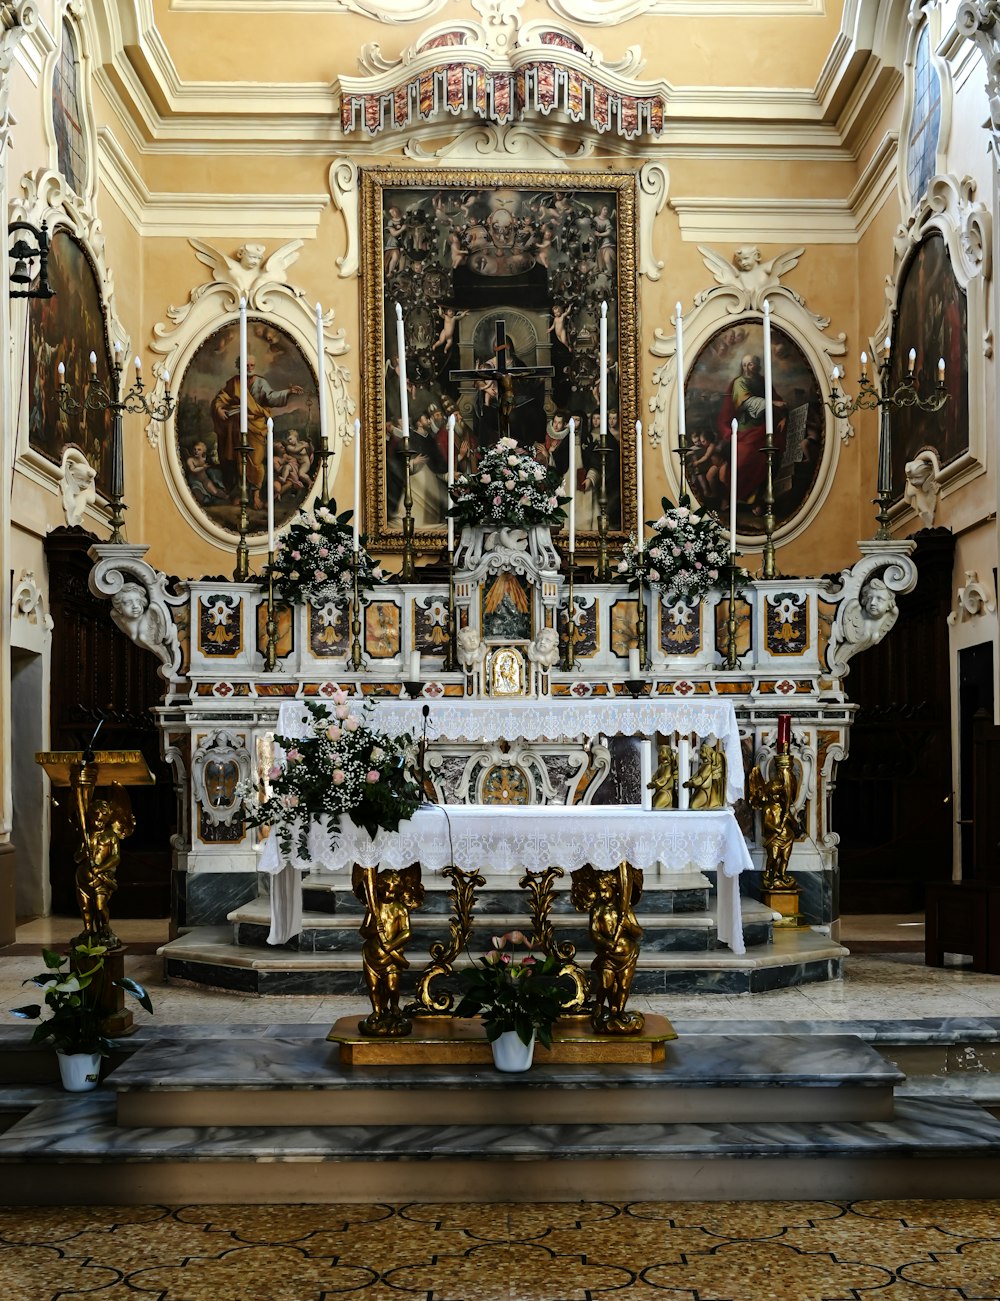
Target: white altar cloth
<point>509,840</point>
<point>475,719</point>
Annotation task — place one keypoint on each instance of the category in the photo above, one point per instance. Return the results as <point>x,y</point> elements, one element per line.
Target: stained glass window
<point>925,119</point>
<point>67,120</point>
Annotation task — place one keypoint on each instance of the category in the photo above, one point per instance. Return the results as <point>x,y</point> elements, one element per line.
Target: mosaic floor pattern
<point>584,1251</point>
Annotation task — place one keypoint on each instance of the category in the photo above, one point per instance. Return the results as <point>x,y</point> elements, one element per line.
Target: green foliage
<point>511,992</point>
<point>72,998</point>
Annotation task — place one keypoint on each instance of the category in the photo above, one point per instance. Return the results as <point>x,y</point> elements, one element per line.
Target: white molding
<point>876,183</point>
<point>609,13</point>
<point>387,11</point>
<point>768,221</point>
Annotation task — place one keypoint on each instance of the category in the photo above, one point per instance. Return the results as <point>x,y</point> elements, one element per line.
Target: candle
<point>451,479</point>
<point>768,401</point>
<point>732,491</point>
<point>404,397</point>
<point>887,343</point>
<point>62,372</point>
<point>835,375</point>
<point>138,367</point>
<point>270,484</point>
<point>683,771</point>
<point>864,365</point>
<point>638,482</point>
<point>414,666</point>
<point>357,486</point>
<point>634,668</point>
<point>646,773</point>
<point>681,414</point>
<point>784,732</point>
<point>912,358</point>
<point>243,367</point>
<point>166,378</point>
<point>93,364</point>
<point>572,486</point>
<point>940,370</point>
<point>603,390</point>
<point>321,378</point>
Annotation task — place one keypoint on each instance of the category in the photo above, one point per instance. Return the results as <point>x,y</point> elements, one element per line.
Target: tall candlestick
<point>404,396</point>
<point>243,366</point>
<point>270,484</point>
<point>681,413</point>
<point>732,491</point>
<point>768,401</point>
<point>357,486</point>
<point>603,377</point>
<point>321,378</point>
<point>451,479</point>
<point>638,482</point>
<point>683,772</point>
<point>572,486</point>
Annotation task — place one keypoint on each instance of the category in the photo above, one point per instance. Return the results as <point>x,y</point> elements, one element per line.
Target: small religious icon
<point>106,823</point>
<point>708,785</point>
<point>389,897</point>
<point>507,673</point>
<point>610,898</point>
<point>664,783</point>
<point>774,797</point>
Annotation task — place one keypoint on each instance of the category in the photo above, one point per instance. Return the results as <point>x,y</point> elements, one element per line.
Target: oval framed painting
<point>726,383</point>
<point>281,385</point>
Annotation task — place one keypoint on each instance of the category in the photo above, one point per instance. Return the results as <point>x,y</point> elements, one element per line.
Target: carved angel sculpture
<point>388,897</point>
<point>864,620</point>
<point>664,783</point>
<point>616,935</point>
<point>922,487</point>
<point>106,823</point>
<point>247,268</point>
<point>774,799</point>
<point>544,650</point>
<point>145,624</point>
<point>471,651</point>
<point>708,785</point>
<point>748,272</point>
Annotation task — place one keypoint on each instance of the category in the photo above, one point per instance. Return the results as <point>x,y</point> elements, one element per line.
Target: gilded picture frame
<point>461,251</point>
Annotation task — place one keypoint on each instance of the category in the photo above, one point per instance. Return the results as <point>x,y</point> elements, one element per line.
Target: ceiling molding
<point>766,221</point>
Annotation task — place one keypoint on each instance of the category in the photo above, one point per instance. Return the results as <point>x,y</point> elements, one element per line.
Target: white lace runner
<point>476,720</point>
<point>514,840</point>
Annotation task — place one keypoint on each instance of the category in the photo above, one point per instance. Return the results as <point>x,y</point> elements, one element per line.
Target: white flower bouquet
<point>511,488</point>
<point>312,559</point>
<point>686,556</point>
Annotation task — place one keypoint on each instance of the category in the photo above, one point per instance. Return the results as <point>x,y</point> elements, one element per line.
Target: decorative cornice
<point>769,221</point>
<point>979,22</point>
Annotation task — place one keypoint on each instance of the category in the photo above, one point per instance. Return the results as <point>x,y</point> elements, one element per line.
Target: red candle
<point>784,731</point>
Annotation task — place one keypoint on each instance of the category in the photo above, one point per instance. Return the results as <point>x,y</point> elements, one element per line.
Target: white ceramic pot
<point>510,1054</point>
<point>79,1071</point>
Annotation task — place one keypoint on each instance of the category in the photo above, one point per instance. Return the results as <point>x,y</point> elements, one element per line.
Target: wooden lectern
<point>102,823</point>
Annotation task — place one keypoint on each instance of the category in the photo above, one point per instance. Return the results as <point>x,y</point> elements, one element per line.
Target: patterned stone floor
<point>586,1251</point>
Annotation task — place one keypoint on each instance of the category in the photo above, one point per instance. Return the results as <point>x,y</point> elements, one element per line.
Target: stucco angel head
<point>746,257</point>
<point>250,256</point>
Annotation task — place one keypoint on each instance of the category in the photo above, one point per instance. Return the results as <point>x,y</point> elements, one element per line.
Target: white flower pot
<point>79,1071</point>
<point>510,1054</point>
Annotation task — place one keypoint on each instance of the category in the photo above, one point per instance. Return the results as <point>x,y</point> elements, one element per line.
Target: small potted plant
<point>72,983</point>
<point>519,997</point>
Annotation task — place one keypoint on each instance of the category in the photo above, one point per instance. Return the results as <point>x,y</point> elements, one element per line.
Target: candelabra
<point>569,659</point>
<point>324,474</point>
<point>450,658</point>
<point>877,395</point>
<point>640,625</point>
<point>242,571</point>
<point>356,661</point>
<point>406,573</point>
<point>733,572</point>
<point>136,401</point>
<point>768,568</point>
<point>603,574</point>
<point>270,623</point>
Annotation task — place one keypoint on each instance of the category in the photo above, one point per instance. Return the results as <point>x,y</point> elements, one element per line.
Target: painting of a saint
<point>931,317</point>
<point>726,383</point>
<point>67,328</point>
<point>280,386</point>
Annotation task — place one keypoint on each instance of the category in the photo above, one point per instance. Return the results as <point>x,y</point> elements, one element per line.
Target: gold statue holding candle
<point>610,898</point>
<point>389,897</point>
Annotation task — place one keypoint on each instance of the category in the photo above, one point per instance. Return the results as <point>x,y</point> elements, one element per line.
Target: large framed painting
<point>932,317</point>
<point>281,386</point>
<point>67,328</point>
<point>726,383</point>
<point>473,257</point>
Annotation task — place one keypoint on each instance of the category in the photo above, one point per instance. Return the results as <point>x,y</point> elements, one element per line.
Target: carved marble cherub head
<point>876,599</point>
<point>544,650</point>
<point>746,257</point>
<point>130,600</point>
<point>250,256</point>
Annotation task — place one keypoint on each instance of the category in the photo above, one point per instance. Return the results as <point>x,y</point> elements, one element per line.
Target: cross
<point>505,376</point>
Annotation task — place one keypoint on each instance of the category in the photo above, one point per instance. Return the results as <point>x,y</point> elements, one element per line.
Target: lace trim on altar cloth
<point>474,720</point>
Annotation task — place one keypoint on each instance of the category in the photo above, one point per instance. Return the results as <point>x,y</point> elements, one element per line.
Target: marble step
<point>73,1152</point>
<point>207,956</point>
<point>331,932</point>
<point>299,1080</point>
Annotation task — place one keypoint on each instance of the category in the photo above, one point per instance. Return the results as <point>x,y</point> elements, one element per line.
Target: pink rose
<point>334,733</point>
<point>296,555</point>
<point>319,575</point>
<point>338,776</point>
<point>274,772</point>
<point>654,576</point>
<point>372,775</point>
<point>294,755</point>
<point>339,696</point>
<point>324,552</point>
<point>342,711</point>
<point>350,724</point>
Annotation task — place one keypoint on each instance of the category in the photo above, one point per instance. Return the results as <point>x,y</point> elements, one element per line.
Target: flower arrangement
<point>313,559</point>
<point>512,992</point>
<point>685,556</point>
<point>510,487</point>
<point>341,765</point>
<point>72,997</point>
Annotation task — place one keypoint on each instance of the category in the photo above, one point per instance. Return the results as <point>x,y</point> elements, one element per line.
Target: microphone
<point>88,749</point>
<point>422,751</point>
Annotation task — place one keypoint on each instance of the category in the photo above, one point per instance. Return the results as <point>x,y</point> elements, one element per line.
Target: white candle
<point>639,524</point>
<point>451,479</point>
<point>634,668</point>
<point>357,486</point>
<point>321,377</point>
<point>835,375</point>
<point>61,368</point>
<point>414,666</point>
<point>404,397</point>
<point>270,484</point>
<point>166,378</point>
<point>683,771</point>
<point>138,367</point>
<point>681,413</point>
<point>603,389</point>
<point>913,357</point>
<point>646,773</point>
<point>93,363</point>
<point>572,486</point>
<point>243,366</point>
<point>940,370</point>
<point>768,401</point>
<point>887,343</point>
<point>732,491</point>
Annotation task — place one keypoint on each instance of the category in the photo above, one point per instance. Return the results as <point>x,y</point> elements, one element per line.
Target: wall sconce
<point>22,254</point>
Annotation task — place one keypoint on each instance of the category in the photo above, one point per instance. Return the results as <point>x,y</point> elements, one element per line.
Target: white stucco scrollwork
<point>141,605</point>
<point>78,478</point>
<point>344,191</point>
<point>979,22</point>
<point>654,184</point>
<point>866,599</point>
<point>974,599</point>
<point>922,484</point>
<point>30,621</point>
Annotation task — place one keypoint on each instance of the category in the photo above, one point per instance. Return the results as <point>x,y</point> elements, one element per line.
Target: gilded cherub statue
<point>106,823</point>
<point>389,897</point>
<point>664,783</point>
<point>616,935</point>
<point>774,799</point>
<point>708,785</point>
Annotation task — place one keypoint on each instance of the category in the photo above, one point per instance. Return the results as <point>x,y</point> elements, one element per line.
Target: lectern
<point>102,822</point>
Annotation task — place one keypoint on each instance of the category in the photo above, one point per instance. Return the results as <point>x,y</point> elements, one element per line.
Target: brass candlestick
<point>768,569</point>
<point>450,658</point>
<point>271,623</point>
<point>603,574</point>
<point>640,626</point>
<point>324,485</point>
<point>733,569</point>
<point>356,660</point>
<point>242,571</point>
<point>406,574</point>
<point>569,659</point>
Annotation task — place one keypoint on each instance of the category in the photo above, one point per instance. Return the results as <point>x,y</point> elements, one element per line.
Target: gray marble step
<point>206,956</point>
<point>72,1151</point>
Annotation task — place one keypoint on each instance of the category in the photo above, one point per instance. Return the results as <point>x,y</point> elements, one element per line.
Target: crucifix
<point>505,376</point>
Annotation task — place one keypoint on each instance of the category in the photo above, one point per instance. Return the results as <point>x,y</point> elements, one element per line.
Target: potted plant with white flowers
<point>73,983</point>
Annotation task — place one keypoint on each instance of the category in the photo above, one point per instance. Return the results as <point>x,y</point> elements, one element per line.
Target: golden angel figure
<point>616,935</point>
<point>389,897</point>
